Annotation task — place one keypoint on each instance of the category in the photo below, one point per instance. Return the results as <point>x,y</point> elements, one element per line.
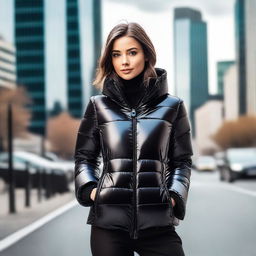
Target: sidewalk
<point>9,223</point>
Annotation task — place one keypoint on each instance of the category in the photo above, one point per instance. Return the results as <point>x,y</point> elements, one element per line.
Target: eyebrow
<point>127,49</point>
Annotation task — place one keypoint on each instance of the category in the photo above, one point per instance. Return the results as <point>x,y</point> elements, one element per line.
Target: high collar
<point>133,84</point>
<point>157,87</point>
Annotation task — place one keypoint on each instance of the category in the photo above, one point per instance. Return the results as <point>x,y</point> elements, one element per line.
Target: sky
<point>156,17</point>
<point>6,19</point>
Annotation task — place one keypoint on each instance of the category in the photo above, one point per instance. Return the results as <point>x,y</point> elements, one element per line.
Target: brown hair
<point>105,67</point>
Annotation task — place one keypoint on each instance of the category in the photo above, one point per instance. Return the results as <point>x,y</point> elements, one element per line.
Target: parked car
<point>205,163</point>
<point>236,163</point>
<point>59,173</point>
<point>19,172</point>
<point>67,166</point>
<point>51,156</point>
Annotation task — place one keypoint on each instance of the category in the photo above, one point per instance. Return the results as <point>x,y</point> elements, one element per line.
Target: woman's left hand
<point>173,202</point>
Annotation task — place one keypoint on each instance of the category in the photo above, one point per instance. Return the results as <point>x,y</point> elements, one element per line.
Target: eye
<point>115,54</point>
<point>133,53</point>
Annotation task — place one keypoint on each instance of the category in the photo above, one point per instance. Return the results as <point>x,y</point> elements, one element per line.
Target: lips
<point>126,71</point>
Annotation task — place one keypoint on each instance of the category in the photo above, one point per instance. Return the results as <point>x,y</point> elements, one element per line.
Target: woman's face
<point>128,57</point>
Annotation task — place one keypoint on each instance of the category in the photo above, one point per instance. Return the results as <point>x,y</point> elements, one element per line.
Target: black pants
<point>153,242</point>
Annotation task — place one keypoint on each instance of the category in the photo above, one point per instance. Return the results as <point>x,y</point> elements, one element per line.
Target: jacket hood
<point>157,87</point>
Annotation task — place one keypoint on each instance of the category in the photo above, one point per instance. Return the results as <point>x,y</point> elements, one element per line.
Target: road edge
<point>18,235</point>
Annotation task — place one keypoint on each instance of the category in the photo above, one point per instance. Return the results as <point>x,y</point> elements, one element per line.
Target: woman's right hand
<point>93,193</point>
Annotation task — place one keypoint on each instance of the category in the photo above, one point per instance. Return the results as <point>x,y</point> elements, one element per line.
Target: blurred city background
<point>48,55</point>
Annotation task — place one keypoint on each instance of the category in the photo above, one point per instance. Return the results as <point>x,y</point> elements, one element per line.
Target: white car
<point>36,162</point>
<point>205,163</point>
<point>45,163</point>
<point>67,166</point>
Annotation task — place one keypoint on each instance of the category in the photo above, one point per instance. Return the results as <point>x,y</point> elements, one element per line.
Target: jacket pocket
<point>105,166</point>
<point>168,198</point>
<point>163,181</point>
<point>98,193</point>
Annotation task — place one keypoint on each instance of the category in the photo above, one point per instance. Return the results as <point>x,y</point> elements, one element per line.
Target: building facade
<point>250,10</point>
<point>7,65</point>
<point>30,57</point>
<point>74,75</point>
<point>245,35</point>
<point>56,54</point>
<point>190,59</point>
<point>222,67</point>
<point>207,125</point>
<point>231,94</point>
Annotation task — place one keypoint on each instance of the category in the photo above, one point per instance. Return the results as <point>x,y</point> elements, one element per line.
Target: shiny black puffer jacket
<point>146,158</point>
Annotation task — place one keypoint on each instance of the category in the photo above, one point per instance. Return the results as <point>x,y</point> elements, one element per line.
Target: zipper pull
<point>133,113</point>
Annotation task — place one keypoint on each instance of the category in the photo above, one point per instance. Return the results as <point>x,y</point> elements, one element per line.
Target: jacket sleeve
<point>87,153</point>
<point>179,167</point>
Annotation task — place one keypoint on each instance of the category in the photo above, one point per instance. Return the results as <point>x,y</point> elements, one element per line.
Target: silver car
<point>236,163</point>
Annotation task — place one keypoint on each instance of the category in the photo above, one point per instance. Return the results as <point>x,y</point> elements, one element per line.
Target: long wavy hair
<point>105,67</point>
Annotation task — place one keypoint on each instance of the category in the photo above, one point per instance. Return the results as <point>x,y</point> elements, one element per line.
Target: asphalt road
<point>220,221</point>
<point>220,218</point>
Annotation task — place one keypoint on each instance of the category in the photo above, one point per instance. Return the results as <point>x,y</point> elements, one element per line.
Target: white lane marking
<point>13,238</point>
<point>225,186</point>
<point>242,190</point>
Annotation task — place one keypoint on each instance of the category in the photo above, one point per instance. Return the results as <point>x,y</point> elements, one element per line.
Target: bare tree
<point>237,133</point>
<point>61,133</point>
<point>18,98</point>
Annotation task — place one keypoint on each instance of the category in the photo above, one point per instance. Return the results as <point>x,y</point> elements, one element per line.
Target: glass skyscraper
<point>91,43</point>
<point>74,75</point>
<point>240,53</point>
<point>222,67</point>
<point>97,38</point>
<point>56,54</point>
<point>190,59</point>
<point>30,57</point>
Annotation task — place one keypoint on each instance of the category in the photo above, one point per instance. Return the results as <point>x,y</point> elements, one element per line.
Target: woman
<point>143,134</point>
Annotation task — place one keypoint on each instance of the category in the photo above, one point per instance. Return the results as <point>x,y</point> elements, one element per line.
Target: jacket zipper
<point>133,115</point>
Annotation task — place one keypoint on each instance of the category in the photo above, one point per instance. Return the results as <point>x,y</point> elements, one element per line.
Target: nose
<point>125,60</point>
